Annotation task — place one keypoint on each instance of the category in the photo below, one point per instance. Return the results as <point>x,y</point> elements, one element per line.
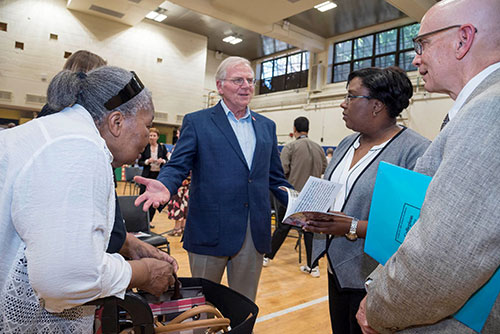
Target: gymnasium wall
<point>176,66</point>
<point>171,62</point>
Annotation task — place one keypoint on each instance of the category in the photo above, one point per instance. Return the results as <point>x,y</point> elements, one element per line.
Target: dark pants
<point>280,234</point>
<point>344,305</point>
<point>142,189</point>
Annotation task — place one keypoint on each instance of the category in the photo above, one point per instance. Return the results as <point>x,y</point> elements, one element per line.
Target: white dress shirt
<point>57,211</point>
<point>347,176</point>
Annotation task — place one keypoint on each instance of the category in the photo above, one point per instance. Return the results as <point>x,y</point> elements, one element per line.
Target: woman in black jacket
<point>153,157</point>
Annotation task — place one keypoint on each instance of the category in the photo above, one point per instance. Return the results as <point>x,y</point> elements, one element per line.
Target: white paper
<point>316,195</point>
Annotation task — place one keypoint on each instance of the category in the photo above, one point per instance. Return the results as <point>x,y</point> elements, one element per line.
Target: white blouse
<point>347,176</point>
<point>57,211</point>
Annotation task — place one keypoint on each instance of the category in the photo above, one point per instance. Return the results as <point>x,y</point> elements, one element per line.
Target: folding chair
<point>130,172</point>
<point>137,221</point>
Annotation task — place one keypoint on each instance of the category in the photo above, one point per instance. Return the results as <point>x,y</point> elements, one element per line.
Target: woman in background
<point>152,158</point>
<point>375,97</point>
<point>80,61</point>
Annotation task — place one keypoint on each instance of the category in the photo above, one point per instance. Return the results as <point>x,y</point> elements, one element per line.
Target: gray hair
<point>93,90</point>
<point>230,62</point>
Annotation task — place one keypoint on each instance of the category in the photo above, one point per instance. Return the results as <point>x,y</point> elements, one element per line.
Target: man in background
<point>453,249</point>
<point>300,159</point>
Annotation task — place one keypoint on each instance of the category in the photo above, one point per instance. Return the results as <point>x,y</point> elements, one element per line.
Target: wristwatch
<point>352,231</point>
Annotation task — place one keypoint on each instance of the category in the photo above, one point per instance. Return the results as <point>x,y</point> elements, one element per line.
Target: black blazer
<point>162,153</point>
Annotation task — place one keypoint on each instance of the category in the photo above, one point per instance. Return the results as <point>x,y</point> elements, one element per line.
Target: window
<point>285,72</point>
<point>393,47</point>
<point>294,63</point>
<point>279,66</point>
<point>271,45</point>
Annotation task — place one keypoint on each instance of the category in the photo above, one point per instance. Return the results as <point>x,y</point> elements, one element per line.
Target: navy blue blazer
<point>224,192</point>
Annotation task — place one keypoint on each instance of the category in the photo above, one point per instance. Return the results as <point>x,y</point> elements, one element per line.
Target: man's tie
<point>445,121</point>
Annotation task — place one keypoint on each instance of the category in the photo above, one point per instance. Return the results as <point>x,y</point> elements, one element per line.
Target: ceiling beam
<point>264,10</point>
<point>281,30</point>
<point>413,8</point>
<point>123,11</point>
<point>296,36</point>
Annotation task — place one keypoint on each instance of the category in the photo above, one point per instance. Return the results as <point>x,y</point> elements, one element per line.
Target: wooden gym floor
<point>289,301</point>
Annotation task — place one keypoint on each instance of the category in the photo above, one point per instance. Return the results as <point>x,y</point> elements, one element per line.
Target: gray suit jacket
<point>347,258</point>
<point>454,248</point>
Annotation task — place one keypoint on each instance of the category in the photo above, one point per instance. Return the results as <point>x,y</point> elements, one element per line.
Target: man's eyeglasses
<point>349,97</point>
<point>417,41</point>
<point>241,81</point>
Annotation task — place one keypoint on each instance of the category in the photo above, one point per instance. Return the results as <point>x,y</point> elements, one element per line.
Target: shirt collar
<point>85,114</point>
<point>227,111</point>
<point>469,88</point>
<point>356,144</point>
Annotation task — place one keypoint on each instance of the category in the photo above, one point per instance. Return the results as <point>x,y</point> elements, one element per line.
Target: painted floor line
<point>291,309</point>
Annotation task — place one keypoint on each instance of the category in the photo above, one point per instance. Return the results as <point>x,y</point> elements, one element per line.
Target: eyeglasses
<point>241,81</point>
<point>417,41</point>
<point>130,90</point>
<point>349,97</point>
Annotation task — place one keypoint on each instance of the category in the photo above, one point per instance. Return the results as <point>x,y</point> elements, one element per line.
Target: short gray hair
<point>93,90</point>
<point>230,62</point>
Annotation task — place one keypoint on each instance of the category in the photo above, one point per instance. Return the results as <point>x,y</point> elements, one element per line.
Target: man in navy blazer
<point>233,155</point>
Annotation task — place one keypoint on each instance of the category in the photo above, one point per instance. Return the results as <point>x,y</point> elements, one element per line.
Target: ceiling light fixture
<point>233,39</point>
<point>152,15</point>
<point>157,15</point>
<point>164,5</point>
<point>160,17</point>
<point>327,5</point>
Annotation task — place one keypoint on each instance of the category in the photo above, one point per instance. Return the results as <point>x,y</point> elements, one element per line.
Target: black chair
<point>130,172</point>
<point>137,220</point>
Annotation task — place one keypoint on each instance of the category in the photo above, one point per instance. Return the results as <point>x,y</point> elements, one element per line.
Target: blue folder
<point>397,199</point>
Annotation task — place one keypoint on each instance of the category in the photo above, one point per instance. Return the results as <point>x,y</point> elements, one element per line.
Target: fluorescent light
<point>327,5</point>
<point>160,17</point>
<point>236,40</point>
<point>152,15</point>
<point>232,39</point>
<point>228,39</point>
<point>164,5</point>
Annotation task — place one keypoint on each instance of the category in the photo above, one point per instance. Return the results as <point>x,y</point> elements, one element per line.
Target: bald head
<point>484,15</point>
<point>457,39</point>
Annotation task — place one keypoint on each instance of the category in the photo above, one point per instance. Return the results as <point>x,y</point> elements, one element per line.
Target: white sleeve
<point>63,209</point>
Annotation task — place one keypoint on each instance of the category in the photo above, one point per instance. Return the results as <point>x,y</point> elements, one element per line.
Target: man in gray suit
<point>454,248</point>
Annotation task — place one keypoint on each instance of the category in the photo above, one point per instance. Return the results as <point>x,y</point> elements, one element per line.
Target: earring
<point>374,113</point>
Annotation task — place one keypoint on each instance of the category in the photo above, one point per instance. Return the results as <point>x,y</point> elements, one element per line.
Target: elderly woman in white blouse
<point>57,202</point>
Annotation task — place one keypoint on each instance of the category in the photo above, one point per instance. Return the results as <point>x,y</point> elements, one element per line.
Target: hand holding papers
<point>312,203</point>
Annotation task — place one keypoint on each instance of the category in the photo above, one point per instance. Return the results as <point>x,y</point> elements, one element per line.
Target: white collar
<point>469,88</point>
<point>86,115</point>
<point>357,143</point>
